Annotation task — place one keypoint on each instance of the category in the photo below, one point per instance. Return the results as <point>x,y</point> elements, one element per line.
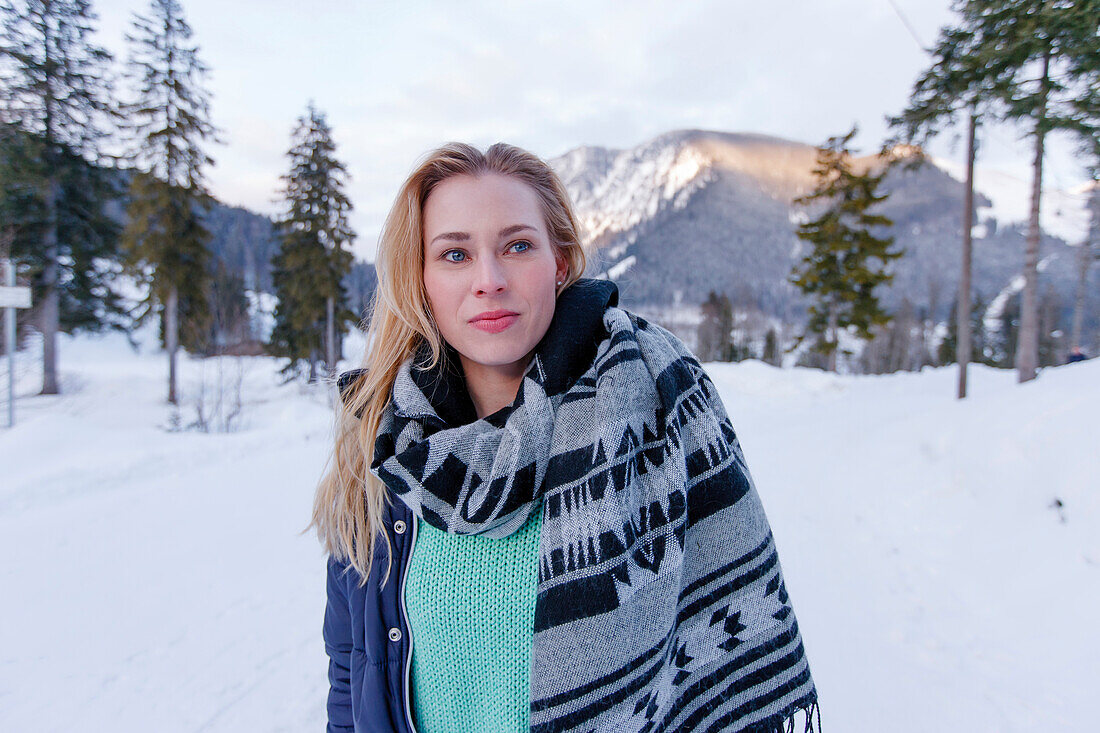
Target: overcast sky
<point>395,79</point>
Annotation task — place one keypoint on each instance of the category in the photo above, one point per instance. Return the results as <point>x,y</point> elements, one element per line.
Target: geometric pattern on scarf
<point>661,604</point>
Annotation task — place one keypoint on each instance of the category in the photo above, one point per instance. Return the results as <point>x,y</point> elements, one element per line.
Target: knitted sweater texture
<point>471,605</point>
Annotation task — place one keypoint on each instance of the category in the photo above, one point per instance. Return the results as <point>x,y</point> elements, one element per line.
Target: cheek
<point>435,282</point>
<point>542,275</point>
<point>436,289</point>
<point>547,295</point>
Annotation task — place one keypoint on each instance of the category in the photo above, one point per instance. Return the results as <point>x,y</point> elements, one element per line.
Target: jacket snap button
<point>395,634</point>
<point>399,527</point>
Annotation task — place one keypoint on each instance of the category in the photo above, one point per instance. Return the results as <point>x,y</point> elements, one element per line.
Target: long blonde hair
<point>348,506</point>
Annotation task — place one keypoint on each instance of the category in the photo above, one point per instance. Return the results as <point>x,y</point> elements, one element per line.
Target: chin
<point>501,355</point>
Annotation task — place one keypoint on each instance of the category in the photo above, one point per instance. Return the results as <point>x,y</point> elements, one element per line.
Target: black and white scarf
<point>661,604</point>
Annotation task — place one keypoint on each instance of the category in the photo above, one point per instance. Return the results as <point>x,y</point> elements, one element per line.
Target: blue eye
<point>522,243</point>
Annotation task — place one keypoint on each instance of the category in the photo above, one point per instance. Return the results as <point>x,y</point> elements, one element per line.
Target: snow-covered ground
<point>157,580</point>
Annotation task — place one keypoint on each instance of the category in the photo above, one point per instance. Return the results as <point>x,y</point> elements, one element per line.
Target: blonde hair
<point>348,506</point>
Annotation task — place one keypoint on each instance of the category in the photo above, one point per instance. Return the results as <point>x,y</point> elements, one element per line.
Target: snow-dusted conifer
<point>838,273</point>
<point>309,270</point>
<point>55,88</point>
<point>169,118</point>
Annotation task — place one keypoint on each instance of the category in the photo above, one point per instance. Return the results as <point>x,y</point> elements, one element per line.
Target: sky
<point>396,79</point>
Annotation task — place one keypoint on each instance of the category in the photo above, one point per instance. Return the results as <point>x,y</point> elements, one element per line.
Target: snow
<point>619,268</point>
<point>157,579</point>
<point>991,319</point>
<point>636,184</point>
<point>261,311</point>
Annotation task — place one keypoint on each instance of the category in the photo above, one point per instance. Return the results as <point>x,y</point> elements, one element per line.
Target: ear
<point>563,265</point>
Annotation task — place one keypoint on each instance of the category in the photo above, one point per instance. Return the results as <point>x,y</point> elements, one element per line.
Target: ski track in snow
<point>158,580</point>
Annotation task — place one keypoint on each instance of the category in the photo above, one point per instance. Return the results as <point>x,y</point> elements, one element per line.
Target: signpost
<point>11,298</point>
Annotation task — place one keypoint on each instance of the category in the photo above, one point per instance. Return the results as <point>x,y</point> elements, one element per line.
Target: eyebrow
<point>465,237</point>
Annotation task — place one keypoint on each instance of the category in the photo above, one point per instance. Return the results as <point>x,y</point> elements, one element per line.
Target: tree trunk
<point>832,331</point>
<point>928,325</point>
<point>171,339</point>
<point>51,308</point>
<point>50,315</point>
<point>963,309</point>
<point>1027,346</point>
<point>330,337</point>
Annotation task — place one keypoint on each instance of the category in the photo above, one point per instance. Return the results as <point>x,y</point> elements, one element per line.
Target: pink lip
<point>494,321</point>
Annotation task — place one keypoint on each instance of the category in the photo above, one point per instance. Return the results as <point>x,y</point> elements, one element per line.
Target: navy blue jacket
<point>366,636</point>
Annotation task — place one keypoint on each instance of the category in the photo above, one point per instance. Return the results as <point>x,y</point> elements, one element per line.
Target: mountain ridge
<point>723,203</point>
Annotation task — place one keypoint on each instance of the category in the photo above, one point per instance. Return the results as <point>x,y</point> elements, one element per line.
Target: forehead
<point>480,204</point>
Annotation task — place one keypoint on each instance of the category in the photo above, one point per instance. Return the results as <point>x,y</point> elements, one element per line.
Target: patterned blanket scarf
<point>661,604</point>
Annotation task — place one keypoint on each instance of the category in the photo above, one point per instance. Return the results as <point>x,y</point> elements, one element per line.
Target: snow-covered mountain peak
<point>614,190</point>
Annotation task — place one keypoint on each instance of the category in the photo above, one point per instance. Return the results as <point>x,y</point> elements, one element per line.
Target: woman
<point>577,540</point>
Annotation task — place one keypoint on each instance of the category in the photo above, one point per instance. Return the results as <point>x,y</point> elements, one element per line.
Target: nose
<point>489,276</point>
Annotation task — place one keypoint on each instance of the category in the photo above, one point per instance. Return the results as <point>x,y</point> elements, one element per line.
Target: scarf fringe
<point>786,723</point>
<point>810,711</point>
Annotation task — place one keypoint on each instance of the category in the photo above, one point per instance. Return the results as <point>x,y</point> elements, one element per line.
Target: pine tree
<point>900,338</point>
<point>983,349</point>
<point>740,350</point>
<point>947,351</point>
<point>771,349</point>
<point>713,332</point>
<point>960,78</point>
<point>165,237</point>
<point>1052,48</point>
<point>1004,340</point>
<point>1051,337</point>
<point>838,272</point>
<point>21,215</point>
<point>228,306</point>
<point>56,112</point>
<point>309,271</point>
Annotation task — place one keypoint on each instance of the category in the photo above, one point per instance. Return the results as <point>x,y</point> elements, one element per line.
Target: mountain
<point>694,210</point>
<point>245,241</point>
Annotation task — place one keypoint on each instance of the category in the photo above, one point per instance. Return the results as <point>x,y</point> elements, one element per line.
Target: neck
<point>493,387</point>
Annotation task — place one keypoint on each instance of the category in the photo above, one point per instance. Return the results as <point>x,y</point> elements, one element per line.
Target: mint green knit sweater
<point>471,605</point>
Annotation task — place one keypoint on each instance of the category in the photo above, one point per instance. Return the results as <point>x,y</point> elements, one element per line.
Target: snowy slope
<point>156,580</point>
<point>615,192</point>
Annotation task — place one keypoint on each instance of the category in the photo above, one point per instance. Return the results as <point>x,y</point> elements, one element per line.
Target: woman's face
<point>490,270</point>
